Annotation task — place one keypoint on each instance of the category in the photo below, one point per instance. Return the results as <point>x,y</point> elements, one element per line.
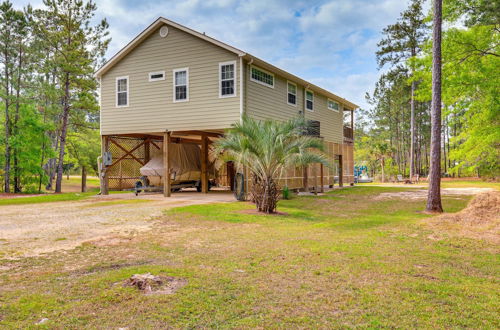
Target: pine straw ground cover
<point>340,260</point>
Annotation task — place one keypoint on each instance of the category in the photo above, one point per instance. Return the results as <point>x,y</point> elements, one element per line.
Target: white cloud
<point>329,42</point>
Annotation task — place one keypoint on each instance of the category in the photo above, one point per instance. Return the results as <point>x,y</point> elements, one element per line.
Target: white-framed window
<point>262,77</point>
<point>227,79</point>
<point>332,105</point>
<point>309,100</point>
<point>122,91</point>
<point>181,85</point>
<point>291,95</point>
<point>155,76</point>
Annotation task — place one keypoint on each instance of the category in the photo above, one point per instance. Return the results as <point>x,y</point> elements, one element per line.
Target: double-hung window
<point>332,105</point>
<point>227,79</point>
<point>291,93</point>
<point>122,91</point>
<point>181,85</point>
<point>309,100</point>
<point>262,77</point>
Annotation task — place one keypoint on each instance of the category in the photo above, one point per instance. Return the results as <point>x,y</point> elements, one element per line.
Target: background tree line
<point>395,131</point>
<point>48,95</point>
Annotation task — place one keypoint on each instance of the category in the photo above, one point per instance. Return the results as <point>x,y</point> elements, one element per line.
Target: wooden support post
<point>104,169</point>
<point>322,188</point>
<point>352,122</point>
<point>147,156</point>
<point>315,175</point>
<point>306,179</point>
<point>230,174</point>
<point>166,164</point>
<point>204,164</point>
<point>341,172</point>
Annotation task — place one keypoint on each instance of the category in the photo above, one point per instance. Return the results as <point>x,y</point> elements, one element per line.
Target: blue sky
<point>328,42</point>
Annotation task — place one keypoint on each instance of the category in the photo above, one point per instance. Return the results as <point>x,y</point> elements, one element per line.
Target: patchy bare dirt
<point>30,230</point>
<point>152,284</point>
<point>416,194</point>
<point>480,219</point>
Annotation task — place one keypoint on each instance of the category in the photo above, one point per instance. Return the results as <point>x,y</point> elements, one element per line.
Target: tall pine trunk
<point>7,125</point>
<point>64,131</point>
<point>84,179</point>
<point>434,194</point>
<point>17,172</point>
<point>412,131</point>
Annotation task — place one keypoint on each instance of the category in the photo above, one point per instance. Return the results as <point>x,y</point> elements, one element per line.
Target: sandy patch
<point>30,230</point>
<point>418,194</point>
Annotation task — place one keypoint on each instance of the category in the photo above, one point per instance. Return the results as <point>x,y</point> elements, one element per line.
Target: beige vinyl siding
<point>264,102</point>
<point>331,122</point>
<point>151,107</point>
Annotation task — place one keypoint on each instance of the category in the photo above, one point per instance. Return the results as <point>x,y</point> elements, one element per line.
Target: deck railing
<point>348,133</point>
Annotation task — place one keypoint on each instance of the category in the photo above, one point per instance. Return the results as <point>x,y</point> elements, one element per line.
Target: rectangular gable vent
<point>154,76</point>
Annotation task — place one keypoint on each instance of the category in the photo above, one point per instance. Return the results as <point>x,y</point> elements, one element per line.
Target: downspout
<point>241,89</point>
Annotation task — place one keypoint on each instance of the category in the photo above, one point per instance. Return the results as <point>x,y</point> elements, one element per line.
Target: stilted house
<point>173,85</point>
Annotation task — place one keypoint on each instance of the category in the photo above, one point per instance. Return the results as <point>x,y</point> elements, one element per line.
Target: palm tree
<point>267,148</point>
<point>434,194</point>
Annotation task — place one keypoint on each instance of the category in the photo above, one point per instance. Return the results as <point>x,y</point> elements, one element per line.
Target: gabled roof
<point>257,61</point>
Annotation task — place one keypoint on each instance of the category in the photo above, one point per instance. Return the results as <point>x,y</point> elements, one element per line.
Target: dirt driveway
<point>30,230</point>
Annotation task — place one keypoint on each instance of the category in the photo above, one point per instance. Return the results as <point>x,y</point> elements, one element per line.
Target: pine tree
<point>76,47</point>
<point>434,195</point>
<point>403,41</point>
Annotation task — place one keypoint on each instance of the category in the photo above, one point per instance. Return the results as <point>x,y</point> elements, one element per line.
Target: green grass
<point>343,260</point>
<point>46,198</point>
<point>455,183</point>
<point>52,197</point>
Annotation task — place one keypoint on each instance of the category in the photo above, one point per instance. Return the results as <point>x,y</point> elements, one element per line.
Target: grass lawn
<point>341,260</point>
<point>445,183</point>
<point>48,198</point>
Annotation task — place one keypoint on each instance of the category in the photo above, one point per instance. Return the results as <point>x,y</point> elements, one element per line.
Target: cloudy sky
<point>328,42</point>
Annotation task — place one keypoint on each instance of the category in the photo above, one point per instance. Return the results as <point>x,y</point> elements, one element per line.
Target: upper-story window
<point>122,91</point>
<point>262,77</point>
<point>227,79</point>
<point>155,76</point>
<point>309,100</point>
<point>332,105</point>
<point>291,93</point>
<point>181,85</point>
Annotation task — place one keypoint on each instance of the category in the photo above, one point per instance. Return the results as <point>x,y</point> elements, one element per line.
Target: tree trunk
<point>17,174</point>
<point>265,194</point>
<point>84,179</point>
<point>412,131</point>
<point>434,194</point>
<point>62,140</point>
<point>305,172</point>
<point>7,125</point>
<point>443,129</point>
<point>383,165</point>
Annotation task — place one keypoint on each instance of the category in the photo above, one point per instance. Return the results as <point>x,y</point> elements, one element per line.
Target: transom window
<point>227,79</point>
<point>155,76</point>
<point>122,91</point>
<point>292,93</point>
<point>181,85</point>
<point>262,77</point>
<point>309,100</point>
<point>332,105</point>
